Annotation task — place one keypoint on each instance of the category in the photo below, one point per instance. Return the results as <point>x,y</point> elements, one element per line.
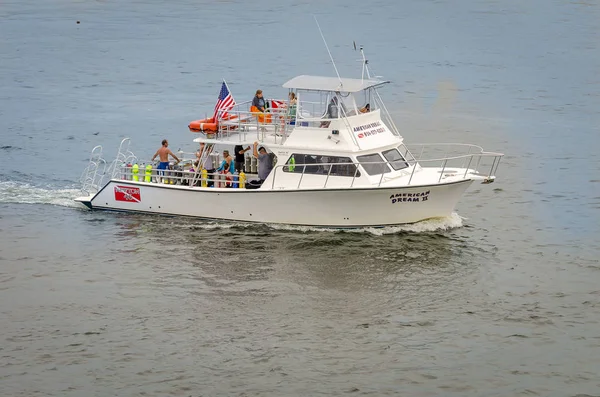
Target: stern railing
<point>91,177</point>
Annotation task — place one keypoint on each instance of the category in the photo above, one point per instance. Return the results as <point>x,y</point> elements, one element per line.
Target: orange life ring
<point>209,124</point>
<point>203,125</point>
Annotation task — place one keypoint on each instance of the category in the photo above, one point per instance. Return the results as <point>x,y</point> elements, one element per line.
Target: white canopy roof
<point>321,83</point>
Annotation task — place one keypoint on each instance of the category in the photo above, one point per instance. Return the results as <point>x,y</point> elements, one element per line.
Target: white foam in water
<point>430,225</point>
<point>23,193</point>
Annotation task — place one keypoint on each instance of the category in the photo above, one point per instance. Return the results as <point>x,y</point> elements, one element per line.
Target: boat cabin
<point>337,128</point>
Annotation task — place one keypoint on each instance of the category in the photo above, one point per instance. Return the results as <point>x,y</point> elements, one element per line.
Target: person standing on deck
<point>265,163</point>
<point>205,150</point>
<point>239,152</point>
<point>163,154</point>
<point>227,167</point>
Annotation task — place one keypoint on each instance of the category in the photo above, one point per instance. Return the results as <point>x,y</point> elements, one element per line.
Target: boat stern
<point>85,200</point>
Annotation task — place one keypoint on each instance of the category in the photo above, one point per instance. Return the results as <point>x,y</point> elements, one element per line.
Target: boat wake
<point>24,193</point>
<point>430,225</point>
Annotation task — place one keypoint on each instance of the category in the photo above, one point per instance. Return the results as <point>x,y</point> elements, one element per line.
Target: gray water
<point>501,299</point>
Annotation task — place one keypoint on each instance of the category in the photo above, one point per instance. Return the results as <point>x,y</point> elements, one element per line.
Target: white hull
<point>345,208</point>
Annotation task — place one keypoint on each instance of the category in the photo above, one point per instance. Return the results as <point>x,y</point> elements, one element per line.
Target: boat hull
<point>346,208</point>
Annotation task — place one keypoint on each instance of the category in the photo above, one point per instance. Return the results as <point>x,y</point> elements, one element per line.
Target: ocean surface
<point>500,299</point>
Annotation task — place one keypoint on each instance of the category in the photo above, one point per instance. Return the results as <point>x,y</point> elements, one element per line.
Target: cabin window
<point>321,165</point>
<point>406,153</point>
<point>373,164</point>
<point>395,159</point>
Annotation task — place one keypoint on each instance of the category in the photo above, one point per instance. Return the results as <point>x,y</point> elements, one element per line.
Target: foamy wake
<point>431,225</point>
<point>23,193</point>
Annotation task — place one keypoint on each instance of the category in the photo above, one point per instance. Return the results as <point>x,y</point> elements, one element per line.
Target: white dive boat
<point>338,161</point>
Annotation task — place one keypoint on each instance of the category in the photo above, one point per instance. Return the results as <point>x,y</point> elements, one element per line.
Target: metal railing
<point>127,166</point>
<point>177,175</point>
<point>336,174</point>
<point>124,157</point>
<point>474,162</point>
<point>460,166</point>
<point>247,125</point>
<point>441,152</point>
<point>92,175</point>
<point>277,122</point>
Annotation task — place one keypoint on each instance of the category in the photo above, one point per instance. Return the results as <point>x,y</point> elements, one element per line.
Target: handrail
<point>178,177</point>
<point>218,179</point>
<point>327,170</point>
<point>244,122</point>
<point>92,179</point>
<point>412,173</point>
<point>442,171</point>
<point>417,167</point>
<point>386,113</point>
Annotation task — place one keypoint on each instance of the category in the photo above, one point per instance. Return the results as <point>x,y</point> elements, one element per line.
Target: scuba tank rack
<point>126,166</point>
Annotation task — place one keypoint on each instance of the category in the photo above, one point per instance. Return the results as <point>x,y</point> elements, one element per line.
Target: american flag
<point>224,103</point>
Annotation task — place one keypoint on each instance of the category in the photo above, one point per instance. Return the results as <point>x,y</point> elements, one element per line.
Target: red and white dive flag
<point>275,104</point>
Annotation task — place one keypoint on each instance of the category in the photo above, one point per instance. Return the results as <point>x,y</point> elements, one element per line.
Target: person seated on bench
<point>227,164</point>
<point>333,111</point>
<point>259,102</point>
<point>259,107</point>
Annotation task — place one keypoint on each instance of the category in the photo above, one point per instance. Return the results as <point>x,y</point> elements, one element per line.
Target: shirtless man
<point>163,153</point>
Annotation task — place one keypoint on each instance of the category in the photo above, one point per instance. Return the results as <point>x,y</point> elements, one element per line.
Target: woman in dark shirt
<point>259,101</point>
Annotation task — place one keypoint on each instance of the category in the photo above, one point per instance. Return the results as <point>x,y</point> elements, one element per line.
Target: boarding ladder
<point>91,177</point>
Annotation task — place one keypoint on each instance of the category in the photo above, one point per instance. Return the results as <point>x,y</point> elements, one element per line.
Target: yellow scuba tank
<point>203,176</point>
<point>148,177</point>
<point>242,180</point>
<point>135,172</point>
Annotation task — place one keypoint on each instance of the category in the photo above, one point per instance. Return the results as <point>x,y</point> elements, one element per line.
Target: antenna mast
<point>329,52</point>
<point>365,63</point>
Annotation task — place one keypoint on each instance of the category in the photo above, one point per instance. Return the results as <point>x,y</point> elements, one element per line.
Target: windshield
<point>373,164</point>
<point>395,158</point>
